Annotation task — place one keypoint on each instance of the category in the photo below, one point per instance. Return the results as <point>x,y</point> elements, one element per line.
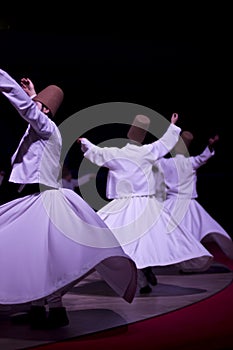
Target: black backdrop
<point>171,64</point>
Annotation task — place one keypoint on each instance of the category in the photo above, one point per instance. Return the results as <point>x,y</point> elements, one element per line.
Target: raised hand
<point>212,141</point>
<point>28,86</point>
<point>174,118</point>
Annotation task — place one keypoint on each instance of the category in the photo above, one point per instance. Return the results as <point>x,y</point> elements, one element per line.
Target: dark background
<point>170,61</point>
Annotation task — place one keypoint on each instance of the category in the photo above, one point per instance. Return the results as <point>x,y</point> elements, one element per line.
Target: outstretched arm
<point>25,106</point>
<point>165,143</point>
<point>199,160</point>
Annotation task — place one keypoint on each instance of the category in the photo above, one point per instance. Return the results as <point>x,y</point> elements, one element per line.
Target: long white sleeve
<point>201,159</point>
<point>25,106</point>
<point>166,143</point>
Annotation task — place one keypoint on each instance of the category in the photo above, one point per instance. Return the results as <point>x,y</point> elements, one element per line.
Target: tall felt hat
<point>52,97</point>
<point>139,128</point>
<point>184,142</point>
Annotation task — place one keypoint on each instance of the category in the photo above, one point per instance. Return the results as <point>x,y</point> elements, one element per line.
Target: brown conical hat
<point>184,142</point>
<point>138,130</point>
<point>52,97</point>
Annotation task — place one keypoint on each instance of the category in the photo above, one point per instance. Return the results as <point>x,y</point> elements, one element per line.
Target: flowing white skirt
<point>150,236</point>
<point>190,214</point>
<point>53,238</point>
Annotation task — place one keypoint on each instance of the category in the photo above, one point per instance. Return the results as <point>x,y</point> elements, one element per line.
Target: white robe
<point>180,176</point>
<point>51,239</point>
<point>136,217</point>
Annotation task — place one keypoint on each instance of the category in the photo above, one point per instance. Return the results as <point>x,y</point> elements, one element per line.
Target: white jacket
<point>130,167</point>
<point>180,173</point>
<point>37,158</point>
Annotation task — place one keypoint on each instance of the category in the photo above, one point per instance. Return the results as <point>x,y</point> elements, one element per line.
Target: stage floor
<point>92,305</point>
